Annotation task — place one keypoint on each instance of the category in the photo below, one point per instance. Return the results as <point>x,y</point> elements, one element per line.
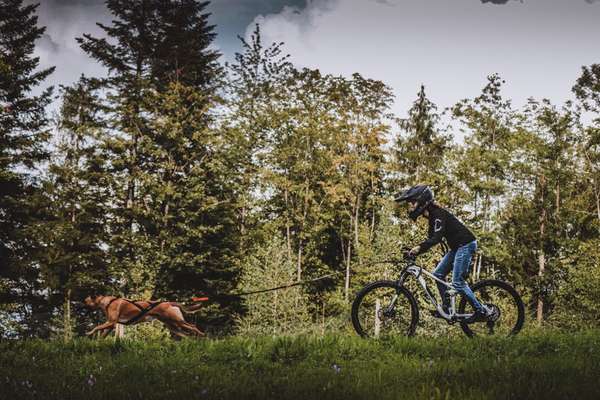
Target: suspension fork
<point>400,282</point>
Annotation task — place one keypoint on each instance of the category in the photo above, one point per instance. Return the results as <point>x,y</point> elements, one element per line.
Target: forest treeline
<point>175,174</point>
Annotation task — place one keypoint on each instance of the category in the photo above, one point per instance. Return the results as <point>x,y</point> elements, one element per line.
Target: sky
<point>450,46</point>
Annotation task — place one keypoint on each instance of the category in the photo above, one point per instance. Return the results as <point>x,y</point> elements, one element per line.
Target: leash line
<point>286,286</point>
<point>308,281</point>
<point>146,310</point>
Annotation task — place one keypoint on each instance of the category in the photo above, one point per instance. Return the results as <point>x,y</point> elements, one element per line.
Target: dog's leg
<point>108,324</point>
<point>106,331</point>
<point>176,334</point>
<point>195,329</point>
<point>189,327</point>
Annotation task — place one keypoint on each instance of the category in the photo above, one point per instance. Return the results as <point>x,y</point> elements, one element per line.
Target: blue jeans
<point>458,261</point>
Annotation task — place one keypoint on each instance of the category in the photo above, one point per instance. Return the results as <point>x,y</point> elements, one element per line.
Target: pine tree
<point>128,58</point>
<point>189,207</point>
<point>420,151</point>
<point>74,263</point>
<point>23,137</point>
<point>173,230</point>
<point>182,51</point>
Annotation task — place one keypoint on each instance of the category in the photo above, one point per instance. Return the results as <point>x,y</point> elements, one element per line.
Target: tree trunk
<point>67,322</point>
<point>598,204</point>
<point>348,258</point>
<point>373,204</point>
<point>119,331</point>
<point>323,317</point>
<point>377,321</point>
<point>302,226</point>
<point>596,186</point>
<point>287,225</point>
<point>275,319</point>
<point>356,225</point>
<point>542,256</point>
<point>165,227</point>
<point>540,304</point>
<point>299,262</point>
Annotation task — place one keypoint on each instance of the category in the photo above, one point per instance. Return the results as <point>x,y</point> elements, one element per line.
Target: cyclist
<point>462,243</point>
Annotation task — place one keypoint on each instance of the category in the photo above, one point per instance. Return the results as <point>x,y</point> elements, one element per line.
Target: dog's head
<point>92,301</point>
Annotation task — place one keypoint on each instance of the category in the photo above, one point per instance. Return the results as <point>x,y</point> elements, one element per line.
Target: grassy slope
<point>549,366</point>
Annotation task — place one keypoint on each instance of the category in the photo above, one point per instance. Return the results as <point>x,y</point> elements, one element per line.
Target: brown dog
<point>118,310</point>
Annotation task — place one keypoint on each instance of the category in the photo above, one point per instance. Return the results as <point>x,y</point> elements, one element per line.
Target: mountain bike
<point>388,307</point>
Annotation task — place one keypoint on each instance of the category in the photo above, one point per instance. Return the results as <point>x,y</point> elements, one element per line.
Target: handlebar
<point>409,257</point>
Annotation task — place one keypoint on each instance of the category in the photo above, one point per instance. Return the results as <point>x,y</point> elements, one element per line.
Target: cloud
<point>46,42</point>
<point>231,18</point>
<point>449,46</point>
<point>293,20</point>
<point>64,21</point>
<point>386,2</point>
<point>495,1</point>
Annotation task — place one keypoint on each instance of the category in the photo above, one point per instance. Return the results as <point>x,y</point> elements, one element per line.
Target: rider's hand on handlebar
<point>414,251</point>
<point>411,254</point>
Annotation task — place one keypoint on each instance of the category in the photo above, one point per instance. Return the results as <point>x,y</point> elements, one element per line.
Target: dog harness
<point>143,310</point>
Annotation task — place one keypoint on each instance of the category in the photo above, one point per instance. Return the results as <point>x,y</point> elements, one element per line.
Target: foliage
<point>24,136</point>
<point>172,223</point>
<point>174,175</point>
<point>278,312</point>
<point>576,300</point>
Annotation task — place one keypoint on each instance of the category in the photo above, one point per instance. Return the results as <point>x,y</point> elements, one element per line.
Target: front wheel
<point>508,311</point>
<point>384,308</point>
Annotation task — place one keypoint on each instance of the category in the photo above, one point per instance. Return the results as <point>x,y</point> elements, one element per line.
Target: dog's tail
<point>193,308</point>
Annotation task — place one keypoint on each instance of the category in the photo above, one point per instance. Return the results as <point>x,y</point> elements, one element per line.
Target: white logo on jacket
<point>437,225</point>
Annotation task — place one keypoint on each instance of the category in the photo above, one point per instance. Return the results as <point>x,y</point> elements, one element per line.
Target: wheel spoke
<point>381,310</point>
<point>506,306</point>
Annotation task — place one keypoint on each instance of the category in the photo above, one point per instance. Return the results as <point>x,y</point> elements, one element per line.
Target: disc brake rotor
<point>495,314</point>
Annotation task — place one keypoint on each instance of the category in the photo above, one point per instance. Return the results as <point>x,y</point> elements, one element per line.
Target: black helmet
<point>420,194</point>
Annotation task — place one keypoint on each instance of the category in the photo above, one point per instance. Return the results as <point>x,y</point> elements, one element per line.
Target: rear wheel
<point>508,311</point>
<point>384,308</point>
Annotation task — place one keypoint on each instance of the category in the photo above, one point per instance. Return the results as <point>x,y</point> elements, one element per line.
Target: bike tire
<point>479,289</point>
<point>402,293</point>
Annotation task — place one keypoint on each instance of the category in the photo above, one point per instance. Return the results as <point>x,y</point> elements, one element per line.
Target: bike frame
<point>419,273</point>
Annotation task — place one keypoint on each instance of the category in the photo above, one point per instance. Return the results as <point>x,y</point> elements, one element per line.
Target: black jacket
<point>444,225</point>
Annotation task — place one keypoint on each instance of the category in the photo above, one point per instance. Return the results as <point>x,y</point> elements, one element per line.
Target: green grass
<point>534,365</point>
